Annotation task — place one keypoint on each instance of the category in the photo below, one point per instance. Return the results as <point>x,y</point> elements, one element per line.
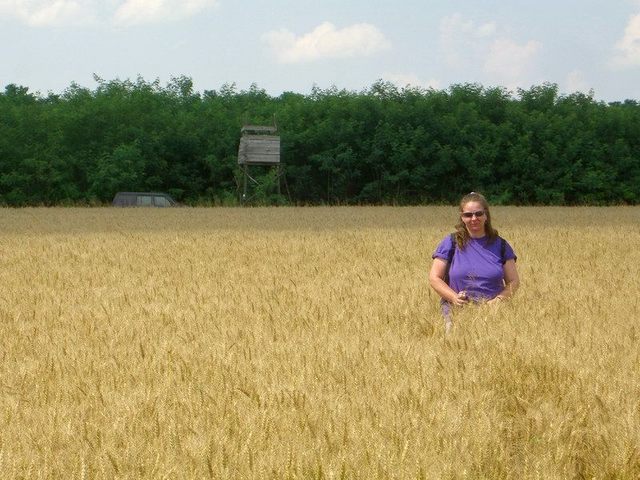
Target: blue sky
<point>279,45</point>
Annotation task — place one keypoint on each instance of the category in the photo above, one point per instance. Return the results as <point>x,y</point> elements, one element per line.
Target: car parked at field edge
<point>143,199</point>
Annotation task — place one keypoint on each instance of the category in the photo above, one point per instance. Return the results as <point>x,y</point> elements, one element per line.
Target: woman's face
<point>474,217</point>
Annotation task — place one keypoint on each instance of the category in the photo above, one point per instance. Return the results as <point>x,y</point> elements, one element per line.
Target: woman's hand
<point>511,280</point>
<point>436,279</point>
<point>460,299</point>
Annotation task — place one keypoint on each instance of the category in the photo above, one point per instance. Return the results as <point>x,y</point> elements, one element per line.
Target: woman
<point>473,264</point>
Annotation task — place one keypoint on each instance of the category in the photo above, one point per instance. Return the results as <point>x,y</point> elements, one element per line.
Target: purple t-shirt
<point>478,268</point>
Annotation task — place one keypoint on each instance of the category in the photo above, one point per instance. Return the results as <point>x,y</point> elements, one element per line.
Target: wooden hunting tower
<point>259,146</point>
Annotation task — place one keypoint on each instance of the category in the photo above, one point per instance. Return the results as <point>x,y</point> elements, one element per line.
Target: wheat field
<point>305,343</point>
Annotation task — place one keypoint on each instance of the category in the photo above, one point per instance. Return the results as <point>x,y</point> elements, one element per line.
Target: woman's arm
<point>436,280</point>
<point>511,281</point>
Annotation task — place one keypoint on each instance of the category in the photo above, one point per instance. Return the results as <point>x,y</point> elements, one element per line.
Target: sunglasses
<point>478,214</point>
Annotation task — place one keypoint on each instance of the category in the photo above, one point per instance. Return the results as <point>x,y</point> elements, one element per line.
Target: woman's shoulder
<point>449,240</point>
<point>506,250</point>
<point>444,247</point>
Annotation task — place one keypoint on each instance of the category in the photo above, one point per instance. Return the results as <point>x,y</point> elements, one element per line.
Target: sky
<point>589,46</point>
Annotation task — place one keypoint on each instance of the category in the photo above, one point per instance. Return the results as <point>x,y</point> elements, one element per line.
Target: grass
<point>305,343</point>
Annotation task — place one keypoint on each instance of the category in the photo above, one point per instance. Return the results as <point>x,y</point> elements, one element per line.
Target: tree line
<point>382,145</point>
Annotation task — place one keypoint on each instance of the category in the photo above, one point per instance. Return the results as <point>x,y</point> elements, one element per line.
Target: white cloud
<point>575,82</point>
<point>411,80</point>
<point>133,12</point>
<point>461,39</point>
<point>509,62</point>
<point>486,30</point>
<point>487,51</point>
<point>628,48</point>
<point>325,41</point>
<point>41,13</point>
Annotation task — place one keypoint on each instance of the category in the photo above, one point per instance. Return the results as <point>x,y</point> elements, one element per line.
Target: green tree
<point>122,170</point>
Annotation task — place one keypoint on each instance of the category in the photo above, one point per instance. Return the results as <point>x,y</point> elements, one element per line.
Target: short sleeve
<point>509,254</point>
<point>443,249</point>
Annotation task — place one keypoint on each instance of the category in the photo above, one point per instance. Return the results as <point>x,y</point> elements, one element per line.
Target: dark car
<point>143,199</point>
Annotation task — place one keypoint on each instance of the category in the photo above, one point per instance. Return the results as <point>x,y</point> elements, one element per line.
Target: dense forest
<point>383,145</point>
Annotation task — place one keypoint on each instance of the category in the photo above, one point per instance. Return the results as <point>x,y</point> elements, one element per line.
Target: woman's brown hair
<point>462,235</point>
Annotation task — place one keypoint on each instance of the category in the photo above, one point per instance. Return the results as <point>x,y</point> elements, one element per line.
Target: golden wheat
<point>305,343</point>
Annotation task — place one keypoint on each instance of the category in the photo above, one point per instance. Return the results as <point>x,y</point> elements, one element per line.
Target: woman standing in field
<point>473,264</point>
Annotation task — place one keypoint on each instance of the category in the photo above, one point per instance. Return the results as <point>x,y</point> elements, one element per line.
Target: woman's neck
<point>477,235</point>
